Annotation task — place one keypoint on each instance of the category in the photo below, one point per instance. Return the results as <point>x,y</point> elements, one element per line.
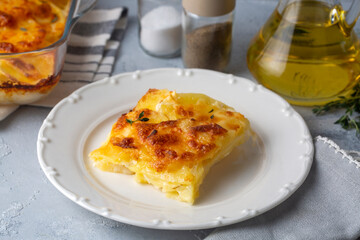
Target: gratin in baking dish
<point>27,76</point>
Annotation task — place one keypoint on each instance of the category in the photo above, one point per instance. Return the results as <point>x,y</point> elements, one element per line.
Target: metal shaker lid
<point>209,8</point>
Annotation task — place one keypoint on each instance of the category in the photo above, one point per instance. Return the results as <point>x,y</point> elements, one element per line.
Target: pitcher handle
<point>345,19</point>
<point>353,14</point>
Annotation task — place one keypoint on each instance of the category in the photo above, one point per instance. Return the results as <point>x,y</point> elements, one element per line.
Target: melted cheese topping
<point>173,141</point>
<point>27,25</point>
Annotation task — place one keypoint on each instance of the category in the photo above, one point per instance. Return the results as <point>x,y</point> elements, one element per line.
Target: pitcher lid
<point>209,8</point>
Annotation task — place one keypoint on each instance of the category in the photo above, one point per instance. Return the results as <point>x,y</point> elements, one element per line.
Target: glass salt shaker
<point>207,33</point>
<point>160,27</point>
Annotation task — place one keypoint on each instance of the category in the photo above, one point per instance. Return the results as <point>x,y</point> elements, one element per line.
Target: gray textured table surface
<point>31,208</point>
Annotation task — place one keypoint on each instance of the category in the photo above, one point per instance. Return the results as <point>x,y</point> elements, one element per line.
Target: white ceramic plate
<point>251,180</point>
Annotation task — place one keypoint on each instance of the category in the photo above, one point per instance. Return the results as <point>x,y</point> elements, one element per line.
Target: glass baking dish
<point>28,76</point>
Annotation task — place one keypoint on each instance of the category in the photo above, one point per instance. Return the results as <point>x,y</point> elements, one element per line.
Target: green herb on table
<point>351,118</point>
<point>140,118</point>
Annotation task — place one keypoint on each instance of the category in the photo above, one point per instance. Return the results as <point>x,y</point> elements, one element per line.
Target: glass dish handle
<point>82,7</point>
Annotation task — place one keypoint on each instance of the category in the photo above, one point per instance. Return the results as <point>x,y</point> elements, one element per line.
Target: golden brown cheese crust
<point>172,143</point>
<point>27,25</point>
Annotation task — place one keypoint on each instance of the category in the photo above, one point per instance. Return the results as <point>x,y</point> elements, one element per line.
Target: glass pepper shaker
<point>207,33</point>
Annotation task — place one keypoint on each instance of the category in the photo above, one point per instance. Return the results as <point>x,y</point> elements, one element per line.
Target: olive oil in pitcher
<point>307,53</point>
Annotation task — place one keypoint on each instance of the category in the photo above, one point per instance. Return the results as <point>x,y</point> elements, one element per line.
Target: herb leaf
<point>211,110</point>
<point>153,133</point>
<point>351,105</point>
<point>140,118</point>
<point>129,121</point>
<point>55,19</point>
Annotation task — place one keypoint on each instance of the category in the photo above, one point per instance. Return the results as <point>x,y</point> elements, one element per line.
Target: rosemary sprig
<point>140,118</point>
<point>351,118</point>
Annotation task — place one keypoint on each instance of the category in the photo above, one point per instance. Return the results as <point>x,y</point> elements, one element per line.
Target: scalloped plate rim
<point>41,142</point>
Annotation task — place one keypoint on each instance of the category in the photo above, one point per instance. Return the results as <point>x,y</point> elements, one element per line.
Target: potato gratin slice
<point>171,140</point>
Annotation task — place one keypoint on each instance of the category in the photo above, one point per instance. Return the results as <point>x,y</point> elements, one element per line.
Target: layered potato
<point>171,140</point>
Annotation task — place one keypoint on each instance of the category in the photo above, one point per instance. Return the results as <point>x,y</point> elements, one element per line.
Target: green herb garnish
<point>212,116</point>
<point>23,29</point>
<point>351,118</point>
<point>140,118</point>
<point>55,19</point>
<point>153,133</point>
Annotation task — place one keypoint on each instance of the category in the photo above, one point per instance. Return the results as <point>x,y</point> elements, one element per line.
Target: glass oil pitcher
<point>307,51</point>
